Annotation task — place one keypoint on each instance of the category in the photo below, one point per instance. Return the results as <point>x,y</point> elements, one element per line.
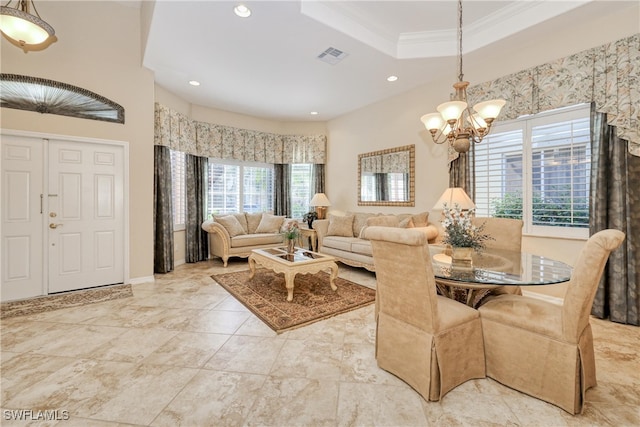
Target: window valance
<point>386,163</point>
<point>179,132</point>
<point>608,75</point>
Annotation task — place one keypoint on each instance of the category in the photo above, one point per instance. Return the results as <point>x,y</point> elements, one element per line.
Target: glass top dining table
<point>493,268</point>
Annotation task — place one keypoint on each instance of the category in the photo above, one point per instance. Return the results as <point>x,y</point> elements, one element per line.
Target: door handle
<point>53,226</point>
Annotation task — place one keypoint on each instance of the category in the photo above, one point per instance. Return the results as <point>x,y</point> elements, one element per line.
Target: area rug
<point>64,300</point>
<point>266,296</point>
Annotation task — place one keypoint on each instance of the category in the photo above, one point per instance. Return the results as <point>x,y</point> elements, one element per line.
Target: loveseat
<point>344,236</point>
<point>239,233</point>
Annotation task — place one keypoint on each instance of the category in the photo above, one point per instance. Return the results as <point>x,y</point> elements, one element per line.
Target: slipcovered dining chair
<point>506,234</point>
<point>431,342</point>
<point>544,349</point>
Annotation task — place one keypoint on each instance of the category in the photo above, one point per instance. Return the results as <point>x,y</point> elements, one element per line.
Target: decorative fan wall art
<point>51,97</point>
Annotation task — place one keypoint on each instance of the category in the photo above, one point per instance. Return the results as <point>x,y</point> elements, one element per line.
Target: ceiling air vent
<point>332,56</point>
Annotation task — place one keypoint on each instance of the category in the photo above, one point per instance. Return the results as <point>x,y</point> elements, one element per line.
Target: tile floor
<point>182,351</point>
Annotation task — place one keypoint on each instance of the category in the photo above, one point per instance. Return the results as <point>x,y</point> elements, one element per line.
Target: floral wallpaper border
<point>179,132</point>
<point>608,75</point>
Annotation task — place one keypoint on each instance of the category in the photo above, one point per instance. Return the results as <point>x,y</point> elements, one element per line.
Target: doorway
<point>63,215</point>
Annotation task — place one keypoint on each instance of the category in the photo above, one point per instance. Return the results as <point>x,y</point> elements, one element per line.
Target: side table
<point>312,235</point>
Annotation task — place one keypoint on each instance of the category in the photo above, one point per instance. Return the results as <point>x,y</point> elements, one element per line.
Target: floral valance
<point>608,75</point>
<point>179,132</point>
<point>386,163</point>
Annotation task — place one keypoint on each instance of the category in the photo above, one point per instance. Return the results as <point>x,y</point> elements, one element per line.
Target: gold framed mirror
<point>387,177</point>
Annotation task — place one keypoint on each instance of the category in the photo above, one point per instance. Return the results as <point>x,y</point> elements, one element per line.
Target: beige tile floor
<point>182,351</point>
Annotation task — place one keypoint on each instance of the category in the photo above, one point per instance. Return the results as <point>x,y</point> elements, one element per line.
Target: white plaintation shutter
<point>537,169</point>
<point>223,189</point>
<point>257,189</point>
<point>301,191</point>
<point>178,189</point>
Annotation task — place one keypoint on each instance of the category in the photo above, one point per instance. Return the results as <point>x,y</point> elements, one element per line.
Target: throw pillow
<point>340,225</point>
<point>253,221</point>
<point>359,221</point>
<point>231,224</point>
<point>421,219</point>
<point>406,223</point>
<point>270,224</point>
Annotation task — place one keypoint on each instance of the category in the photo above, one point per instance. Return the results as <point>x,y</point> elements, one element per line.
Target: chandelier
<point>24,29</point>
<point>455,122</point>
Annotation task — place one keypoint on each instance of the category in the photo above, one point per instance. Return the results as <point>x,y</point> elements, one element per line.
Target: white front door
<point>85,216</point>
<point>22,237</point>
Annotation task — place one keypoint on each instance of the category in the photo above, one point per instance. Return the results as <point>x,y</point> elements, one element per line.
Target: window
<point>537,168</point>
<point>239,187</point>
<point>301,191</point>
<point>178,189</point>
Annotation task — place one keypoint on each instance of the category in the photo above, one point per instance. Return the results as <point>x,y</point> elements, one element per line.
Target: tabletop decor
<point>461,234</point>
<point>291,232</point>
<point>309,217</point>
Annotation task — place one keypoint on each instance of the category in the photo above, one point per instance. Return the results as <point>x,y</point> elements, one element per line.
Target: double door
<point>63,215</point>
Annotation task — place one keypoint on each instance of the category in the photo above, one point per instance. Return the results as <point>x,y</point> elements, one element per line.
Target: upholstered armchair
<point>543,349</point>
<point>431,342</point>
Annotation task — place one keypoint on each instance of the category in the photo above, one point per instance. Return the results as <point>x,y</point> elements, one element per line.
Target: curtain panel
<point>615,203</point>
<point>162,211</point>
<point>608,75</point>
<point>179,132</point>
<point>196,239</point>
<point>282,190</point>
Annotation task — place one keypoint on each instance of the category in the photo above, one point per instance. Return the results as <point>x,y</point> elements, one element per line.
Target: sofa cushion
<point>270,224</point>
<point>383,221</point>
<point>340,225</point>
<point>362,247</point>
<point>338,242</point>
<point>253,221</point>
<point>231,224</point>
<point>255,240</point>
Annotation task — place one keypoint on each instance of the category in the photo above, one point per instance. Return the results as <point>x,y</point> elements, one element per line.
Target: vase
<point>461,256</point>
<point>291,246</point>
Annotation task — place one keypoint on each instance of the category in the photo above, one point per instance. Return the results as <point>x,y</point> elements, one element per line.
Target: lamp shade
<point>432,121</point>
<point>319,199</point>
<point>454,196</point>
<point>451,110</point>
<point>489,109</point>
<point>23,27</point>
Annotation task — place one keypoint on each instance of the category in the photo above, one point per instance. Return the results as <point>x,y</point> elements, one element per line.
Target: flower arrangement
<point>460,231</point>
<point>291,231</point>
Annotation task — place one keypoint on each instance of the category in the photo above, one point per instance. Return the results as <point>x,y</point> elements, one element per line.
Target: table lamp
<point>320,202</point>
<point>454,196</point>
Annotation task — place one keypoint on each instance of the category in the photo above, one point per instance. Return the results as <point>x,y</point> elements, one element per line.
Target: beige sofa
<point>344,236</point>
<point>239,233</point>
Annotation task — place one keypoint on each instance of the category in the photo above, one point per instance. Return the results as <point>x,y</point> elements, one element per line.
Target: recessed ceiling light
<point>314,113</point>
<point>242,11</point>
<point>392,78</point>
<point>194,83</point>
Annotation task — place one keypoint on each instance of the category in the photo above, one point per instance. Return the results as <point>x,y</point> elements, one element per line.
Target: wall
<point>396,121</point>
<point>107,63</point>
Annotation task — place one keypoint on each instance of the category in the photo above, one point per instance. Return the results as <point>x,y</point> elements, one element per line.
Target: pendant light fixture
<point>23,28</point>
<point>455,122</point>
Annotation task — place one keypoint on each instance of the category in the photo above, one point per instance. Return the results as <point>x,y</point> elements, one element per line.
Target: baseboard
<point>548,298</point>
<point>179,262</point>
<point>138,280</point>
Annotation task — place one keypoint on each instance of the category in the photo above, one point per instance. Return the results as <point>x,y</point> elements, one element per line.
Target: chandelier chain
<point>460,75</point>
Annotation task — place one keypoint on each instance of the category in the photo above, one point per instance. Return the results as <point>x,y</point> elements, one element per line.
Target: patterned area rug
<point>64,300</point>
<point>266,296</point>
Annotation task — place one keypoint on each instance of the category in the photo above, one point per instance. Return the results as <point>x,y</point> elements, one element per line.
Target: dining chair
<point>506,234</point>
<point>544,349</point>
<point>431,342</point>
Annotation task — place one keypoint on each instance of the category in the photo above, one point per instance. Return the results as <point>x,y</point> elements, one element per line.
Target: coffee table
<point>300,262</point>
